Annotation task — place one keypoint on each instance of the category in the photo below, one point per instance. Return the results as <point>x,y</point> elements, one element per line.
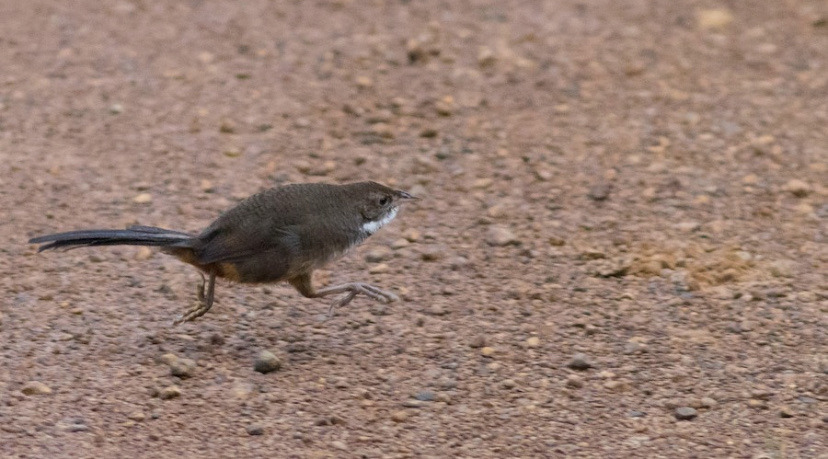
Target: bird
<point>282,234</point>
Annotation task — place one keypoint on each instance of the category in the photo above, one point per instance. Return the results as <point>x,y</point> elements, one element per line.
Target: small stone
<point>232,152</point>
<point>798,188</point>
<point>72,425</point>
<point>707,402</point>
<point>425,396</point>
<point>143,253</point>
<point>688,227</point>
<point>379,269</point>
<point>267,362</point>
<point>137,416</point>
<point>400,243</point>
<point>757,404</point>
<point>783,268</point>
<point>429,133</point>
<point>600,192</point>
<point>340,445</point>
<point>437,310</point>
<point>413,404</point>
<point>254,429</point>
<point>786,412</point>
<point>580,362</point>
<point>142,198</point>
<point>399,416</point>
<point>242,390</point>
<point>169,392</point>
<point>533,341</point>
<point>509,384</point>
<point>445,106</point>
<point>500,236</point>
<point>35,388</point>
<point>168,358</point>
<point>412,235</point>
<point>227,127</point>
<point>478,341</point>
<point>714,18</point>
<point>685,413</point>
<point>750,179</point>
<point>116,109</point>
<point>182,368</point>
<point>574,382</point>
<point>433,253</point>
<point>485,57</point>
<point>487,351</point>
<point>806,296</point>
<point>383,130</point>
<point>364,82</point>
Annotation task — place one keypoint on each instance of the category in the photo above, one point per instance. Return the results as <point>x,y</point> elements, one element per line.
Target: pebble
<point>143,253</point>
<point>478,341</point>
<point>786,412</point>
<point>364,82</point>
<point>798,188</point>
<point>378,254</point>
<point>35,388</point>
<point>688,227</point>
<point>168,358</point>
<point>533,341</point>
<point>267,362</point>
<point>400,244</point>
<point>412,235</point>
<point>379,269</point>
<point>137,416</point>
<point>72,425</point>
<point>574,382</point>
<point>169,392</point>
<point>783,268</point>
<point>399,416</point>
<point>685,413</point>
<point>425,396</point>
<point>254,429</point>
<point>485,57</point>
<point>413,404</point>
<point>580,362</point>
<point>714,18</point>
<point>433,253</point>
<point>487,351</point>
<point>142,198</point>
<point>806,296</point>
<point>500,236</point>
<point>600,191</point>
<point>509,384</point>
<point>182,368</point>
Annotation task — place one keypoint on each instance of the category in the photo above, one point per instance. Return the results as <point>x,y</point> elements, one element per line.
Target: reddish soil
<point>640,182</point>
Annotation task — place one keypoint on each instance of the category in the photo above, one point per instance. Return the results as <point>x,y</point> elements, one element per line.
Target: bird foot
<point>368,290</point>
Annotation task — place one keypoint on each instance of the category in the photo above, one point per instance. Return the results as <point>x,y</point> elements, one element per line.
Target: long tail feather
<point>135,235</point>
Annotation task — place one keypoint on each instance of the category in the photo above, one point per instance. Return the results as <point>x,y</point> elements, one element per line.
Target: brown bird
<point>281,234</point>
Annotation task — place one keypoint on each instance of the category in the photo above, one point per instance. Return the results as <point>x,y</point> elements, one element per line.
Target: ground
<point>619,250</point>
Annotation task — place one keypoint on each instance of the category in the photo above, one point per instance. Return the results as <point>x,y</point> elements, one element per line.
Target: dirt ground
<point>620,250</point>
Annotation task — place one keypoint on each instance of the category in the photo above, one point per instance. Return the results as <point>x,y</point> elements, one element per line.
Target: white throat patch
<point>372,227</point>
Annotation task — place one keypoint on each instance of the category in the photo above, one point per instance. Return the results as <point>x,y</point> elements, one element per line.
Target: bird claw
<point>202,306</point>
<point>366,289</point>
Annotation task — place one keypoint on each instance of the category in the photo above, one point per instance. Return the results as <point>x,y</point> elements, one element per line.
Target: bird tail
<point>134,235</point>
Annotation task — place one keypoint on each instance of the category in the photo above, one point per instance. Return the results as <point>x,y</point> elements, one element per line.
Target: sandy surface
<point>642,183</point>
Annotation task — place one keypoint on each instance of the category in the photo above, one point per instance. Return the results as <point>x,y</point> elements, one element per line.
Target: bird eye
<point>384,200</point>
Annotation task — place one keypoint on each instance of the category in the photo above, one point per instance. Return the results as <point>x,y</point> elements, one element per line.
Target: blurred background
<point>619,251</point>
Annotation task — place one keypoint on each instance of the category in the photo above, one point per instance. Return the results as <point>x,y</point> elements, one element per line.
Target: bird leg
<point>205,300</point>
<point>304,285</point>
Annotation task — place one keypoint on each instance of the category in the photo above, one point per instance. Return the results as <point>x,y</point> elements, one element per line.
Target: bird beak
<point>404,195</point>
